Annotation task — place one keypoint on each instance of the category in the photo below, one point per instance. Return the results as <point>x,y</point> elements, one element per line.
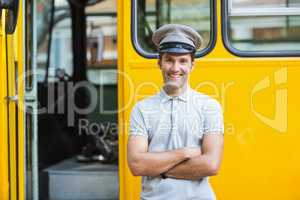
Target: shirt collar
<point>165,97</point>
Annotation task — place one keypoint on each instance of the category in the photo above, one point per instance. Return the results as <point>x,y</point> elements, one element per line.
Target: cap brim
<point>176,50</point>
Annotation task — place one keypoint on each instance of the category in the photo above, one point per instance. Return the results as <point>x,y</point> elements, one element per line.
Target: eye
<point>168,60</point>
<point>183,61</point>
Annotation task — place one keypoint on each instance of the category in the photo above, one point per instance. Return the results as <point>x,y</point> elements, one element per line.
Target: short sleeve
<point>137,122</point>
<point>213,117</point>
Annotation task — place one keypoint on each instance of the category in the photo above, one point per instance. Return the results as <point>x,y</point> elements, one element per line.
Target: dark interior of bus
<point>79,140</point>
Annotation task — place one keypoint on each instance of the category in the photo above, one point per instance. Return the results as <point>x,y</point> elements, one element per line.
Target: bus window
<point>101,41</point>
<point>262,27</point>
<point>29,48</point>
<point>61,57</point>
<point>148,15</point>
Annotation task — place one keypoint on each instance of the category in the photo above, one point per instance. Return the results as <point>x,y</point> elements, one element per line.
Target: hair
<point>192,56</point>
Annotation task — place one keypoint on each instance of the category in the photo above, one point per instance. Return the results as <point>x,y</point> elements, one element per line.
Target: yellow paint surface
<point>260,100</point>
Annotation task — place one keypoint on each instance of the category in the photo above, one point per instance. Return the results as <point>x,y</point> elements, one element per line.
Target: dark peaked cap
<point>176,38</point>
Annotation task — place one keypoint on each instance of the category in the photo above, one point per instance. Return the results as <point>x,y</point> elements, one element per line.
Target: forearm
<point>206,164</point>
<point>193,169</point>
<point>155,163</point>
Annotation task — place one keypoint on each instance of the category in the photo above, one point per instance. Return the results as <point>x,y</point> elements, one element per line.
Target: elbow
<point>213,168</point>
<point>136,172</point>
<point>214,171</point>
<point>135,168</point>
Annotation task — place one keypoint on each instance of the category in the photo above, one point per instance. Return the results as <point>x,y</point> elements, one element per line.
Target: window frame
<point>198,54</point>
<point>227,11</point>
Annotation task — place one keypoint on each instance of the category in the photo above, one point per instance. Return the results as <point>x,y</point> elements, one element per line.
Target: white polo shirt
<point>171,123</point>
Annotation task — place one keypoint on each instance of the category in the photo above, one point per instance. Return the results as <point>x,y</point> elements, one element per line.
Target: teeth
<point>175,76</point>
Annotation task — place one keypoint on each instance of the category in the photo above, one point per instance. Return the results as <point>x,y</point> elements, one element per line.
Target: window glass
<point>38,17</point>
<point>263,34</point>
<point>61,57</point>
<point>102,7</point>
<point>264,30</point>
<point>102,76</point>
<point>151,14</point>
<point>101,42</point>
<point>29,45</point>
<point>265,3</point>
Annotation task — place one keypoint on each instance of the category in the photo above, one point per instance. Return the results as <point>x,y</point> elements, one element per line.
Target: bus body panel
<point>259,99</point>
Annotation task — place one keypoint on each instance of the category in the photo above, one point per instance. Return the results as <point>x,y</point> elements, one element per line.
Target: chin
<point>173,85</point>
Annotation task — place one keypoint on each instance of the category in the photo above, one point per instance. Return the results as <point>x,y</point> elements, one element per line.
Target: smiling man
<point>176,136</point>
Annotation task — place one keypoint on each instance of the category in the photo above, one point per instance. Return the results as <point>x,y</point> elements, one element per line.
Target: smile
<point>175,76</point>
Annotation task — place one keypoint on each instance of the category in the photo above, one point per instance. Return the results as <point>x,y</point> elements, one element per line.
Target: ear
<point>192,65</point>
<point>159,63</point>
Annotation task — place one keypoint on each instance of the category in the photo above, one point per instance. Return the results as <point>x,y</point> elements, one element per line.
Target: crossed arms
<point>185,163</point>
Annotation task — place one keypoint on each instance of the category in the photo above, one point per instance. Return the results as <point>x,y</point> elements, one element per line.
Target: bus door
<point>71,138</point>
<point>12,99</point>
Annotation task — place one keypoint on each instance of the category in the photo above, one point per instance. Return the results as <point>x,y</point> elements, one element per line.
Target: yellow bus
<point>71,71</point>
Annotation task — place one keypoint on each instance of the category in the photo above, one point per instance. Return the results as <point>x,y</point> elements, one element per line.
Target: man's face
<point>175,69</point>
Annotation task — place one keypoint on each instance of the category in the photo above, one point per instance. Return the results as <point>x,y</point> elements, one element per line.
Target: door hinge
<point>11,98</point>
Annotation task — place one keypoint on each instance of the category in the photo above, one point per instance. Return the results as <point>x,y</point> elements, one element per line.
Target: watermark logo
<point>277,82</point>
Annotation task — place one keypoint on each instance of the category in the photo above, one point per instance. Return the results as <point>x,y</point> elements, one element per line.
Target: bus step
<point>82,181</point>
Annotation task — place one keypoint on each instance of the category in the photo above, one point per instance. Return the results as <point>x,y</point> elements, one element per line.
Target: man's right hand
<point>192,152</point>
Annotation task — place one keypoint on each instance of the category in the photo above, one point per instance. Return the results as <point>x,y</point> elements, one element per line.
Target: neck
<point>174,91</point>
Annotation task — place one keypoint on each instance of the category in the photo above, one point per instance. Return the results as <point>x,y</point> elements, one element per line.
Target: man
<point>176,136</point>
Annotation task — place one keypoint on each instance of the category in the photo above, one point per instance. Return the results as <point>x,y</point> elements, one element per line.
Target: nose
<point>175,67</point>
